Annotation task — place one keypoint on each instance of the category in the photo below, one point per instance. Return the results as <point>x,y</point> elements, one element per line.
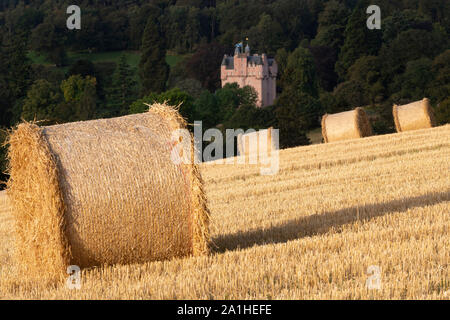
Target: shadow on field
<point>318,224</point>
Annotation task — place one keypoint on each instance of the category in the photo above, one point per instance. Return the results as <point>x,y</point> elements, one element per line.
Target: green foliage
<point>266,35</point>
<point>329,102</point>
<point>282,59</point>
<point>442,112</point>
<point>83,68</point>
<point>42,102</point>
<point>207,109</point>
<point>174,97</point>
<point>332,22</point>
<point>359,40</point>
<point>231,97</point>
<point>366,71</point>
<point>296,113</point>
<point>15,77</point>
<point>122,90</point>
<point>298,108</point>
<point>349,94</point>
<point>153,68</point>
<point>416,79</point>
<point>204,65</point>
<point>440,86</point>
<point>230,106</point>
<point>404,20</point>
<point>49,38</point>
<point>80,94</point>
<point>410,45</point>
<point>300,72</point>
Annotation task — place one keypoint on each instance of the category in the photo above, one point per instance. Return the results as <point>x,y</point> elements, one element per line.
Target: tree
<point>231,97</point>
<point>174,97</point>
<point>366,71</point>
<point>300,73</point>
<point>204,65</point>
<point>48,39</point>
<point>442,112</point>
<point>332,22</point>
<point>281,58</point>
<point>325,60</point>
<point>123,89</point>
<point>359,40</point>
<point>298,108</point>
<point>350,94</point>
<point>83,68</point>
<point>154,70</point>
<point>440,86</point>
<point>295,114</point>
<point>296,21</point>
<point>207,109</point>
<point>192,86</point>
<point>416,79</point>
<point>266,36</point>
<point>15,77</point>
<point>409,45</point>
<point>80,94</point>
<point>138,17</point>
<point>42,102</point>
<point>402,20</point>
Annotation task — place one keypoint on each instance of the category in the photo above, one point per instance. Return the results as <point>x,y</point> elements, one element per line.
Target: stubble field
<point>309,232</point>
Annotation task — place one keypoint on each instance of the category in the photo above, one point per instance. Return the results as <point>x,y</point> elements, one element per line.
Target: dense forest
<point>329,61</point>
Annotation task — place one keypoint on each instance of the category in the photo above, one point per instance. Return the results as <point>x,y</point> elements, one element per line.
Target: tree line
<point>329,61</point>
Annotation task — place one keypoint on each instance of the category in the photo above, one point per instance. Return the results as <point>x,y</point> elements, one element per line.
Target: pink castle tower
<point>256,70</point>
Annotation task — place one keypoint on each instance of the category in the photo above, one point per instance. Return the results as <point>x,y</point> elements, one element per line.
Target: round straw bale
<point>254,143</point>
<point>104,192</point>
<point>346,125</point>
<point>4,203</point>
<point>413,116</point>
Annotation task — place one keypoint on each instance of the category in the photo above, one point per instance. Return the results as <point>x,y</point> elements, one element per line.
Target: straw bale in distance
<point>103,192</point>
<point>413,116</point>
<point>346,125</point>
<point>249,144</point>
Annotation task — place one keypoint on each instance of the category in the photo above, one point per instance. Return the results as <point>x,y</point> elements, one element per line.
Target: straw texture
<point>346,125</point>
<point>413,116</point>
<point>4,203</point>
<point>249,144</point>
<point>104,192</point>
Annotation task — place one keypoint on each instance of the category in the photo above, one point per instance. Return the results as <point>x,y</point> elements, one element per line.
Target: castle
<point>256,70</point>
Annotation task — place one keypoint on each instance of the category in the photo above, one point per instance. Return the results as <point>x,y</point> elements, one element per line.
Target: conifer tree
<point>123,89</point>
<point>153,69</point>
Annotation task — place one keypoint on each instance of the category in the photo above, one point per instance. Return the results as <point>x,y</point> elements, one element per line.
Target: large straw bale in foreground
<point>413,116</point>
<point>346,125</point>
<point>4,203</point>
<point>104,192</point>
<point>256,143</point>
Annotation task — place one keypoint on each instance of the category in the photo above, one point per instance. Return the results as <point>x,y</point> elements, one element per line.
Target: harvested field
<point>309,232</point>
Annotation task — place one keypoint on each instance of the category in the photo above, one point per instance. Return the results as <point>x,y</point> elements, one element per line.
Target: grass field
<point>133,58</point>
<point>309,232</point>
